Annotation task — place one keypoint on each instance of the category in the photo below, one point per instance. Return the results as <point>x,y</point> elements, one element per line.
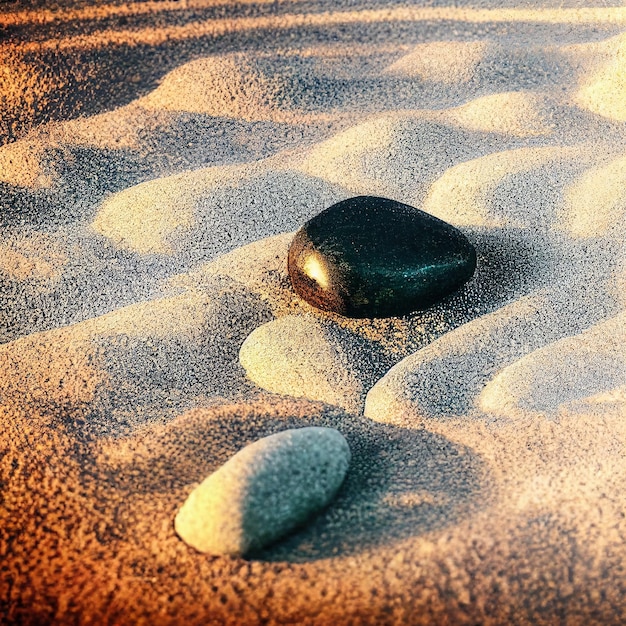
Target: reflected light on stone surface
<point>314,268</point>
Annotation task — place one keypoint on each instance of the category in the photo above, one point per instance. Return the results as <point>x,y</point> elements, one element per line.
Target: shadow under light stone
<point>401,483</point>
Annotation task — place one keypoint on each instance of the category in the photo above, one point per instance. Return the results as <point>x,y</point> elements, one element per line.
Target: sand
<point>155,160</point>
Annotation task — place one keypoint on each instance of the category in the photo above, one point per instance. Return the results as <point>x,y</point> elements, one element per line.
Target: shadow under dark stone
<point>509,265</point>
<point>401,483</point>
<point>446,383</point>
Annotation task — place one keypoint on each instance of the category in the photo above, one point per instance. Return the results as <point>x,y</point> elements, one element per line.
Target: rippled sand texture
<point>155,158</point>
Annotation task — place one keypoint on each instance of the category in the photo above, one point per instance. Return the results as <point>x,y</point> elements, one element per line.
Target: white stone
<point>301,356</point>
<point>264,491</point>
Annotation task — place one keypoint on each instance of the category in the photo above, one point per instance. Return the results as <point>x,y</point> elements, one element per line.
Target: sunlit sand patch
<point>36,257</point>
<point>603,87</point>
<point>112,130</point>
<point>607,404</point>
<point>33,371</point>
<point>547,381</point>
<point>237,86</point>
<point>416,498</point>
<point>443,379</point>
<point>464,195</point>
<point>233,86</point>
<point>584,480</point>
<point>596,202</point>
<point>446,62</point>
<point>356,157</point>
<point>166,344</point>
<point>143,218</point>
<point>396,155</point>
<point>252,265</point>
<point>199,213</point>
<point>182,315</point>
<point>25,164</point>
<point>513,113</point>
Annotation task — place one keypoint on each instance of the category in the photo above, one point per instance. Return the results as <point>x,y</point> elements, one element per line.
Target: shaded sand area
<point>156,158</point>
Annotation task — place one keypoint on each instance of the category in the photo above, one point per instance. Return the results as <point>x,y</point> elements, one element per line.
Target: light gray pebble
<point>301,356</point>
<point>264,491</point>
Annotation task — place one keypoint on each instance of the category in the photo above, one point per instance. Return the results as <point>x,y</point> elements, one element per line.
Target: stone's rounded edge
<point>321,274</point>
<point>310,277</point>
<point>473,257</point>
<point>225,516</point>
<point>350,208</point>
<point>208,524</point>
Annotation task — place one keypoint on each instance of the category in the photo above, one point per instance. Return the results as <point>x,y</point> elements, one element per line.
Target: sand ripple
<point>144,242</point>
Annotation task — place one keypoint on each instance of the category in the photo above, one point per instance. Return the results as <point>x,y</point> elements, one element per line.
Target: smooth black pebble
<point>375,257</point>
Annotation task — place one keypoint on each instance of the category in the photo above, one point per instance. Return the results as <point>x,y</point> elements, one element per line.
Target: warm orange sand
<point>154,159</point>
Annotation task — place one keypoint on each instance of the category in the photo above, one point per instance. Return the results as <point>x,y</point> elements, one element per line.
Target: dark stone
<point>374,257</point>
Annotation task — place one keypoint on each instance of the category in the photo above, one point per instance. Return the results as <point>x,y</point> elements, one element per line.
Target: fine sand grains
<point>155,159</point>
